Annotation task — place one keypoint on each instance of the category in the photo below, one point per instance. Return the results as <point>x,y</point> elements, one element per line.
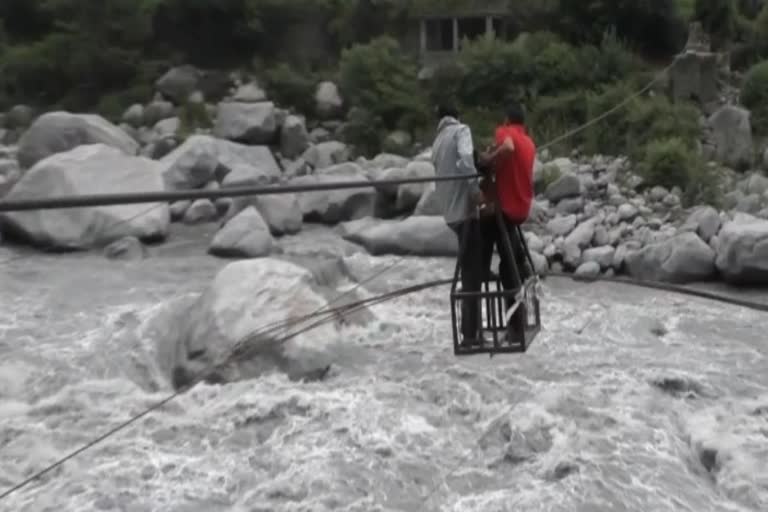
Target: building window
<point>471,28</point>
<point>439,35</point>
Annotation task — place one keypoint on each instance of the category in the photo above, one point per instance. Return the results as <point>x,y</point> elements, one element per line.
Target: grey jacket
<point>452,156</point>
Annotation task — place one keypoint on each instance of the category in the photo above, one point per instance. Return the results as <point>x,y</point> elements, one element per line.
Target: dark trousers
<point>477,238</point>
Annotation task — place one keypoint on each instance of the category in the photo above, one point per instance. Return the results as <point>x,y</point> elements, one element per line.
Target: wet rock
<point>681,259</point>
<point>326,154</point>
<point>179,82</point>
<point>249,123</point>
<point>294,139</point>
<point>333,206</point>
<point>602,255</point>
<point>178,209</point>
<point>282,212</point>
<point>416,236</point>
<point>566,186</point>
<point>393,200</point>
<point>244,296</point>
<point>57,132</point>
<point>250,93</point>
<point>742,255</point>
<point>704,221</point>
<point>127,248</point>
<point>81,171</point>
<point>191,165</point>
<point>246,235</point>
<point>201,210</point>
<point>588,269</point>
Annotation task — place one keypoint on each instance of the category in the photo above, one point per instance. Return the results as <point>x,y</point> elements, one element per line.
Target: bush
<point>552,116</point>
<point>672,163</point>
<point>493,72</point>
<point>754,96</point>
<point>289,87</point>
<point>382,83</point>
<point>610,134</point>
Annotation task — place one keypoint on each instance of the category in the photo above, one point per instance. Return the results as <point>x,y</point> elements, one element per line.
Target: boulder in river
<point>86,170</point>
<point>230,316</point>
<point>245,235</point>
<point>333,206</point>
<point>415,236</point>
<point>56,132</point>
<point>681,259</point>
<point>742,251</point>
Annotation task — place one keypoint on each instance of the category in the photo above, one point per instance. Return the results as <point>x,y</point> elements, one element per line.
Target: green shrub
<point>382,83</point>
<point>658,118</point>
<point>291,88</point>
<point>609,135</point>
<point>754,96</point>
<point>552,116</point>
<point>493,72</point>
<point>673,163</point>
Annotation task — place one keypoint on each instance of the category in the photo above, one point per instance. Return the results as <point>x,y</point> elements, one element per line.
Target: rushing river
<point>628,400</point>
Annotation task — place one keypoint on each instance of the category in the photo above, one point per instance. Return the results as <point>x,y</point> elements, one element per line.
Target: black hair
<point>515,113</point>
<point>447,109</point>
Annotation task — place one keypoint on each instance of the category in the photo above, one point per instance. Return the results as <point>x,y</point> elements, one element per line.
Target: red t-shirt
<point>514,173</point>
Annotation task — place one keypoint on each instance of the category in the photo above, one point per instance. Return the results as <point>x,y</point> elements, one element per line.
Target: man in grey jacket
<point>453,155</point>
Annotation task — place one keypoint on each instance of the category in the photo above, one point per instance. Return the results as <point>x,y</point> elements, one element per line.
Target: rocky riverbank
<point>592,214</point>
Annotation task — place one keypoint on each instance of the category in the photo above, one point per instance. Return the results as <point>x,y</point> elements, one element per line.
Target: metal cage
<point>511,330</point>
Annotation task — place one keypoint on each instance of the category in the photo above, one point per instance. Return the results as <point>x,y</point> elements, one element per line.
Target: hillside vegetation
<point>569,61</point>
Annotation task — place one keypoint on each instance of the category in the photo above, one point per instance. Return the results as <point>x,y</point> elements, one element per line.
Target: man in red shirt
<point>512,162</point>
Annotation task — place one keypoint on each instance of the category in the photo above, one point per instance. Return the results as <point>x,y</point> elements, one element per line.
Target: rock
<point>742,256</point>
<point>201,210</point>
<point>243,297</point>
<point>192,164</point>
<point>178,209</point>
<point>318,135</point>
<point>657,194</point>
<point>540,263</point>
<point>89,169</point>
<point>620,256</point>
<point>395,200</point>
<point>566,186</point>
<point>333,206</point>
<point>246,235</point>
<point>167,127</point>
<point>570,206</point>
<point>326,154</point>
<point>19,117</point>
<point>704,221</point>
<point>627,212</point>
<point>134,116</point>
<point>588,269</point>
<point>57,132</point>
<point>250,123</point>
<point>561,226</point>
<point>681,259</point>
<point>157,111</point>
<point>756,184</point>
<point>732,134</point>
<point>178,83</point>
<point>250,93</point>
<point>294,139</point>
<point>127,248</point>
<point>259,159</point>
<point>694,75</point>
<point>428,203</point>
<point>415,236</point>
<point>534,243</point>
<point>582,235</point>
<point>244,175</point>
<point>751,203</point>
<point>328,101</point>
<point>603,256</point>
<point>602,237</point>
<point>398,142</point>
<point>282,212</point>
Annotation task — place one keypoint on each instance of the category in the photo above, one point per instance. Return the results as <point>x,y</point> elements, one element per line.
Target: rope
<point>242,345</point>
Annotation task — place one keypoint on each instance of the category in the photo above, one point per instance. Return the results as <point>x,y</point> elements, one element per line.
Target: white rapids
<point>628,400</point>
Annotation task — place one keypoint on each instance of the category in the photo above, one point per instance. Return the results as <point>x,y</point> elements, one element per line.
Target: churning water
<point>628,400</point>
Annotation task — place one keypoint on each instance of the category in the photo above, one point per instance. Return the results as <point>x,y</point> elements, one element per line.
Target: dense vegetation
<point>573,61</point>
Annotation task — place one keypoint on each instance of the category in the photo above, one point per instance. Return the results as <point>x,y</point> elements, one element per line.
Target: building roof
<point>459,8</point>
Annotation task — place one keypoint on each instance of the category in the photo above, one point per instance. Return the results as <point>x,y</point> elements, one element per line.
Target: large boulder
<point>393,200</point>
<point>230,318</point>
<point>333,206</point>
<point>282,212</point>
<point>326,154</point>
<point>246,235</point>
<point>693,75</point>
<point>704,221</point>
<point>56,132</point>
<point>415,236</point>
<point>742,251</point>
<point>681,259</point>
<point>732,134</point>
<point>85,170</point>
<point>179,82</point>
<point>250,123</point>
<point>202,159</point>
<point>294,138</point>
